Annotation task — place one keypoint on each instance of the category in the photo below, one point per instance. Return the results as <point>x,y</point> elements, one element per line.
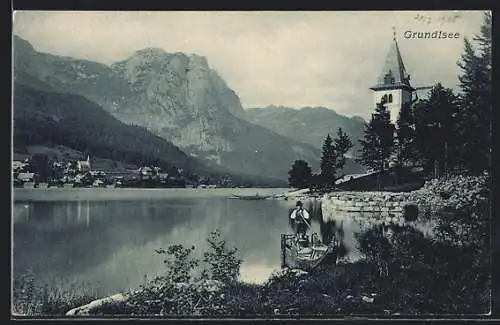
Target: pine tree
<point>475,101</point>
<point>300,174</point>
<point>40,165</point>
<point>378,142</point>
<point>341,146</point>
<point>435,130</point>
<point>406,150</point>
<point>328,159</point>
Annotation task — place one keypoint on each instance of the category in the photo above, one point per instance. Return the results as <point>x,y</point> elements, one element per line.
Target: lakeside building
<point>393,85</point>
<point>83,165</point>
<point>18,165</point>
<point>26,177</point>
<point>394,89</point>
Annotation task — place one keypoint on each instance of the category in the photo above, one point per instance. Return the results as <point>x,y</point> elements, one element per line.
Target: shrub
<point>244,299</point>
<point>223,263</point>
<point>26,295</point>
<point>426,275</point>
<point>179,293</point>
<point>31,297</point>
<point>375,246</point>
<point>178,262</point>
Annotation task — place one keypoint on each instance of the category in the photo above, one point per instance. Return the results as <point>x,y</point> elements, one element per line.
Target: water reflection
<point>346,226</point>
<point>111,243</point>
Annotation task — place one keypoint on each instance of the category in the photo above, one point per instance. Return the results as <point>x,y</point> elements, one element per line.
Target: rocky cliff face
<point>177,97</point>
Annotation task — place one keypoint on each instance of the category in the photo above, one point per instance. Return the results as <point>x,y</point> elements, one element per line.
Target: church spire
<point>393,84</point>
<point>393,73</point>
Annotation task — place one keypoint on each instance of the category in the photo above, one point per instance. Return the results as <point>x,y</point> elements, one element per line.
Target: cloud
<point>284,58</point>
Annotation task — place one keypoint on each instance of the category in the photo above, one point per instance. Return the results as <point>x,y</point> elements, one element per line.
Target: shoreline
<point>361,285</point>
<point>78,194</point>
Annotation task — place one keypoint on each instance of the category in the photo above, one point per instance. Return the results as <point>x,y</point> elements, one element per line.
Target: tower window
<point>384,98</point>
<point>390,98</point>
<point>389,78</point>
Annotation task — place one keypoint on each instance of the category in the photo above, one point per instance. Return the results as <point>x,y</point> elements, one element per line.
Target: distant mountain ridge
<point>175,96</point>
<point>72,121</point>
<point>307,124</point>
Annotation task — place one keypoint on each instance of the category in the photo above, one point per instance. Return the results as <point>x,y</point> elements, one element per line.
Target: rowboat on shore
<point>248,197</point>
<point>307,253</point>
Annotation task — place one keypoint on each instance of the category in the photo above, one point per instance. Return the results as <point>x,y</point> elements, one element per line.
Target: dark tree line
<point>45,118</point>
<point>445,133</point>
<point>332,160</point>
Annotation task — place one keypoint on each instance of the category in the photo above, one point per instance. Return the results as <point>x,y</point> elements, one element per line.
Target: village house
<point>83,179</point>
<point>26,177</point>
<point>97,174</point>
<point>68,179</point>
<point>83,165</point>
<point>98,183</point>
<point>18,165</point>
<point>58,164</point>
<point>162,176</point>
<point>146,172</point>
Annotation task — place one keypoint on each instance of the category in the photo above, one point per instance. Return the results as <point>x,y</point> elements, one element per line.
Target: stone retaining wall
<point>385,203</point>
<point>367,208</point>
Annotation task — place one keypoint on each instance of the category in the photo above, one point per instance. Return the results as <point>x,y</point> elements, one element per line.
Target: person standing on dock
<point>301,218</point>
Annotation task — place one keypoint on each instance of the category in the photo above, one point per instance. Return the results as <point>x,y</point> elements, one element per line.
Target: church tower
<point>393,84</point>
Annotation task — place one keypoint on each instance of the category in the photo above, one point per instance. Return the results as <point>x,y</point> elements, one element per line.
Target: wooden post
<point>283,242</point>
<point>445,158</point>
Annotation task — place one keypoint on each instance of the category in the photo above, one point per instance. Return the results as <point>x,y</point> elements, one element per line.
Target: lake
<point>108,237</point>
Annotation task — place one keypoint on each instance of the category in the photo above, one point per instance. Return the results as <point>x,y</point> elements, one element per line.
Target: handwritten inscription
<point>439,20</point>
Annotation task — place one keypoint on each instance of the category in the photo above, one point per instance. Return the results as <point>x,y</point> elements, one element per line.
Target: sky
<point>282,58</point>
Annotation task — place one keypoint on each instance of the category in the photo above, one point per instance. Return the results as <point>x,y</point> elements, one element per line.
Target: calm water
<point>108,237</point>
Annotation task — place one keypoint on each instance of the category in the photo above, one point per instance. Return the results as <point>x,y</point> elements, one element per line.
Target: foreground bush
<point>179,292</point>
<point>31,297</point>
<point>428,275</point>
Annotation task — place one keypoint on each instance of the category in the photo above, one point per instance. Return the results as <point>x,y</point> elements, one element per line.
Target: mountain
<point>307,124</point>
<point>73,121</point>
<point>95,81</point>
<point>175,96</point>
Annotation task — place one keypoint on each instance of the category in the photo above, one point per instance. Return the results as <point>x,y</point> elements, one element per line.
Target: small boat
<point>307,253</point>
<point>248,197</point>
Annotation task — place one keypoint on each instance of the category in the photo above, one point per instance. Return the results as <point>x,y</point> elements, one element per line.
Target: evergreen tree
<point>341,146</point>
<point>475,101</point>
<point>406,149</point>
<point>40,164</point>
<point>435,130</point>
<point>377,144</point>
<point>328,161</point>
<point>300,174</point>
